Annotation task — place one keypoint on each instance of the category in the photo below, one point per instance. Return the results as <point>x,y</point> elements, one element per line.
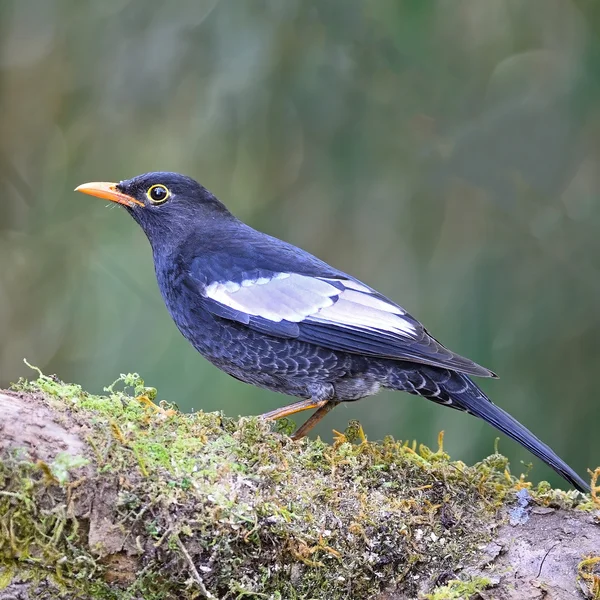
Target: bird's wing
<point>335,312</point>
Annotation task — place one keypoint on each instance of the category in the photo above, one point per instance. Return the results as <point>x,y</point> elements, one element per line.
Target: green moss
<point>589,574</point>
<point>186,502</point>
<point>459,590</point>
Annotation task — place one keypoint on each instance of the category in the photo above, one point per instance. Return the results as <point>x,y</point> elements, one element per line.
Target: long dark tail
<point>458,391</point>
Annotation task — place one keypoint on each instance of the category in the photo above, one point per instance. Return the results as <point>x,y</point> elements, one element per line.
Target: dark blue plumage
<point>275,316</point>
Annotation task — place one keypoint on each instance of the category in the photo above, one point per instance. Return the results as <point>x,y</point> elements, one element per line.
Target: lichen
<point>172,505</point>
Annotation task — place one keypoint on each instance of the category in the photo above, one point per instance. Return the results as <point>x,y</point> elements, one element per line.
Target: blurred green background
<point>445,152</point>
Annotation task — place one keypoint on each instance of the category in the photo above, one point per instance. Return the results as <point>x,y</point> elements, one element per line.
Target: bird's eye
<point>158,194</point>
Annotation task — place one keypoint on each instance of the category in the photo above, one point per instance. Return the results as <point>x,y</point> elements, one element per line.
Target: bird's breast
<point>184,306</point>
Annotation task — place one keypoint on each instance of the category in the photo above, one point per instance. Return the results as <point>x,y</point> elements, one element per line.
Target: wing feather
<point>337,313</point>
<point>371,301</point>
<point>363,316</point>
<point>286,296</point>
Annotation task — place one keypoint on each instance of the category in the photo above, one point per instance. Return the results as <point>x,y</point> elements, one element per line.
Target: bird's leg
<point>322,406</point>
<point>326,406</point>
<point>292,409</point>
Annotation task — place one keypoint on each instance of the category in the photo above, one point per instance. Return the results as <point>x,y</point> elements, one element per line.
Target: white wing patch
<point>287,296</point>
<point>371,301</point>
<point>353,315</point>
<point>296,298</point>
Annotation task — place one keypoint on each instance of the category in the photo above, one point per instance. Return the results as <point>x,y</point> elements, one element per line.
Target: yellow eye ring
<point>158,194</point>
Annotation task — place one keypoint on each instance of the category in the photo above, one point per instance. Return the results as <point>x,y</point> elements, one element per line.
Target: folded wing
<point>337,313</point>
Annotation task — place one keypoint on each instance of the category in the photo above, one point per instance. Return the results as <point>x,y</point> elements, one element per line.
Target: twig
<point>545,557</point>
<point>196,575</point>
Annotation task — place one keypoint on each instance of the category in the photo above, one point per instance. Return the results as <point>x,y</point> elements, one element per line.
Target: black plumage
<point>273,315</point>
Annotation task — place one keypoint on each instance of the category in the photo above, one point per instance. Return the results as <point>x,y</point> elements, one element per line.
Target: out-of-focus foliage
<point>445,152</point>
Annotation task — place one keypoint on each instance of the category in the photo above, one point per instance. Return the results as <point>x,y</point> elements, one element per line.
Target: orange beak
<point>108,191</point>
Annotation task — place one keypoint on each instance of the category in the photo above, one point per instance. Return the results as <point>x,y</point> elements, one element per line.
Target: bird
<point>273,315</point>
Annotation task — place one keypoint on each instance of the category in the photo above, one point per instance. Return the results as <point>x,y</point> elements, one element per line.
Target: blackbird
<point>273,315</point>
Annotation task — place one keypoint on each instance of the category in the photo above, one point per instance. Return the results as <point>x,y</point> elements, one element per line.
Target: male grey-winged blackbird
<point>275,316</point>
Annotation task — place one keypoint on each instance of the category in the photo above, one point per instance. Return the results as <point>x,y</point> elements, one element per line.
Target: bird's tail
<point>458,391</point>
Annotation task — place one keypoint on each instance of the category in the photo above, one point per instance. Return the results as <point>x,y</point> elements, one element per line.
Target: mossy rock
<point>164,505</point>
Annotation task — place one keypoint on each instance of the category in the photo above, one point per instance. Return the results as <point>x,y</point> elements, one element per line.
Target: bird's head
<point>164,204</point>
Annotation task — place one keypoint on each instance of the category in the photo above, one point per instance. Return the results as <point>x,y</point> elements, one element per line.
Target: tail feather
<point>474,401</point>
<point>458,391</point>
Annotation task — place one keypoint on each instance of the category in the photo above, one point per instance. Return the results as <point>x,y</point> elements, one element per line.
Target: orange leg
<point>314,419</point>
<point>292,409</point>
<point>322,406</point>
